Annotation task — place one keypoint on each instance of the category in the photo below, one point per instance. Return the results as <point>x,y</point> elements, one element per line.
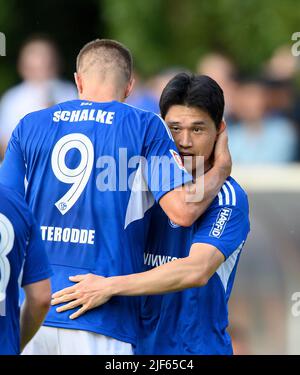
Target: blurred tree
<point>174,32</point>
<point>161,33</point>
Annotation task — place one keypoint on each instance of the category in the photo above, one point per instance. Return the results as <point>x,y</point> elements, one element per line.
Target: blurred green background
<point>160,33</point>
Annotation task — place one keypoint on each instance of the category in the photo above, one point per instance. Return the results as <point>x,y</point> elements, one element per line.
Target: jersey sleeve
<point>36,266</point>
<point>225,227</point>
<point>12,170</point>
<point>165,170</point>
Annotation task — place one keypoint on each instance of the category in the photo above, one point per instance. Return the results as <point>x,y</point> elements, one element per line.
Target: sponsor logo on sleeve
<point>220,224</point>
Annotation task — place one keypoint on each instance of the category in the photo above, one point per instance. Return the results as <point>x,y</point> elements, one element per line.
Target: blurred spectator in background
<point>258,137</point>
<point>262,114</point>
<point>282,65</point>
<point>222,70</point>
<point>39,67</point>
<point>281,72</point>
<point>143,96</point>
<point>146,95</point>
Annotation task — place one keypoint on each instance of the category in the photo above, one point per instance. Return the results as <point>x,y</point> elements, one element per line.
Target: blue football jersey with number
<point>23,261</point>
<point>88,167</point>
<point>194,321</point>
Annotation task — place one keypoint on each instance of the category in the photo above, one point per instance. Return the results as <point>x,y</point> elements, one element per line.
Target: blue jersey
<point>194,321</point>
<point>79,158</point>
<point>23,261</point>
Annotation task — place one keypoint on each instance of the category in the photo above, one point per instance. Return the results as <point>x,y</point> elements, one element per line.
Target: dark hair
<point>194,91</point>
<point>123,53</point>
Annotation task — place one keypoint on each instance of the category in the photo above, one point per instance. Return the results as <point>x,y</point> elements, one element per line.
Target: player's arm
<point>192,271</point>
<point>34,309</point>
<point>206,254</point>
<point>36,284</point>
<point>180,204</point>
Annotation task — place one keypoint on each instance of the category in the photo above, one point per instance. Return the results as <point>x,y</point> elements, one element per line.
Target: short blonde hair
<point>109,52</point>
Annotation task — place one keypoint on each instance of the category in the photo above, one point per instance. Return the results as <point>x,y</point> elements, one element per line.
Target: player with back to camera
<point>87,226</point>
<point>23,262</point>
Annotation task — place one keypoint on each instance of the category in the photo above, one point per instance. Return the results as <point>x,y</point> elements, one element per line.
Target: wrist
<point>114,285</point>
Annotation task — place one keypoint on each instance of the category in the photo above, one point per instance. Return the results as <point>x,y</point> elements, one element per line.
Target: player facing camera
<point>193,108</point>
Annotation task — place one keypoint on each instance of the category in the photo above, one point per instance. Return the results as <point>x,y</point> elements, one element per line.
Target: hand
<point>222,157</point>
<point>89,292</point>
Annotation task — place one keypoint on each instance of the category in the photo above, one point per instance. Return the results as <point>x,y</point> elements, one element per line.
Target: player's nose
<point>185,140</point>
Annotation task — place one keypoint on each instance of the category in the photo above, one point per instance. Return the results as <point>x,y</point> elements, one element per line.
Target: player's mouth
<point>185,154</point>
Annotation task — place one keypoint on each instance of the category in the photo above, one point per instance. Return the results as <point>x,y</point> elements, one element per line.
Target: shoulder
<point>153,122</point>
<point>45,113</point>
<point>135,111</point>
<point>227,218</point>
<point>231,194</point>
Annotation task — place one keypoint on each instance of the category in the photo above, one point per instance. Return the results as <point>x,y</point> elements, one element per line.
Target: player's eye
<point>198,130</point>
<point>175,128</point>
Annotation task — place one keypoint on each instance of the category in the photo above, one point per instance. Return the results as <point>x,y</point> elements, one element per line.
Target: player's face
<point>38,62</point>
<point>194,132</point>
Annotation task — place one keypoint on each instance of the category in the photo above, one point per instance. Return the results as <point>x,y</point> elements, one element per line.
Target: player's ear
<point>78,82</point>
<point>222,126</point>
<point>129,87</point>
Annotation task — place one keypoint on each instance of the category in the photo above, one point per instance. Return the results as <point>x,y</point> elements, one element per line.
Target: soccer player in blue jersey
<point>23,262</point>
<point>201,258</point>
<point>79,158</point>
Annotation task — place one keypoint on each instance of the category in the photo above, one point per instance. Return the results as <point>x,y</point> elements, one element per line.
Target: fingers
<point>222,143</point>
<point>78,278</point>
<point>69,306</point>
<point>64,298</point>
<point>223,136</point>
<point>60,293</point>
<point>70,289</point>
<point>79,312</point>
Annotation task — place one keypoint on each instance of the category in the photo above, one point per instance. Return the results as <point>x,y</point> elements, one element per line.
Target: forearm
<point>32,317</point>
<point>197,197</point>
<point>170,277</point>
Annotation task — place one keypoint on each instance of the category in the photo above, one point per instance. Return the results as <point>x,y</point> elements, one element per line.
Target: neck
<point>103,95</point>
<point>207,167</point>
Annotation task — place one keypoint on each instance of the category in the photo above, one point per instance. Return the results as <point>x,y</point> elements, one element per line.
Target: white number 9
<point>78,176</point>
<point>7,237</point>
